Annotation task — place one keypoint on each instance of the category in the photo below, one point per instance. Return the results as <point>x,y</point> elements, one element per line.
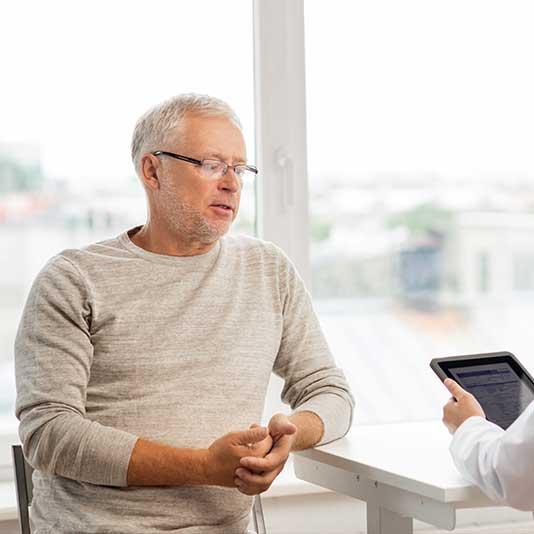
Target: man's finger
<point>251,479</point>
<point>246,489</point>
<point>455,389</point>
<point>242,487</point>
<point>259,465</point>
<point>252,435</point>
<point>251,483</point>
<point>257,479</point>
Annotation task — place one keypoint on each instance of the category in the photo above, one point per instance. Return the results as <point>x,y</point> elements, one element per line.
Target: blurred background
<point>421,170</point>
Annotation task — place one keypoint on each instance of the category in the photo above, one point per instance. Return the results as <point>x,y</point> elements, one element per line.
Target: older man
<point>136,354</point>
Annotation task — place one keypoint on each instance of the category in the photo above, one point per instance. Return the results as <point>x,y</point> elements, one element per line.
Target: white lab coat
<point>500,462</point>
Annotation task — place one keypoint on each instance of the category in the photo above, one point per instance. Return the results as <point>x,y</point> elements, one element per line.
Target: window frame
<point>282,213</point>
<point>280,125</point>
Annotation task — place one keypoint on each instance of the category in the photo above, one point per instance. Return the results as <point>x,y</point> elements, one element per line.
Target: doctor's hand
<point>455,412</point>
<point>257,474</point>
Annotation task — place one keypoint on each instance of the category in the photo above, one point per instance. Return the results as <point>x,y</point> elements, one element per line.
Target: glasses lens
<point>212,168</point>
<point>244,174</point>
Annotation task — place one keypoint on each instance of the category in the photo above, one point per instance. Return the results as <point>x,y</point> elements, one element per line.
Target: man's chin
<point>217,231</point>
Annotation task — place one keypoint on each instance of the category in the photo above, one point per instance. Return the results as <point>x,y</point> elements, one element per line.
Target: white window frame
<point>280,122</point>
<point>281,150</point>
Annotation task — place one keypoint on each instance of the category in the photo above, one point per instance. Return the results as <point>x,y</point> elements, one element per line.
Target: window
<point>80,74</point>
<point>484,272</point>
<point>409,146</point>
<point>421,189</point>
<point>523,279</point>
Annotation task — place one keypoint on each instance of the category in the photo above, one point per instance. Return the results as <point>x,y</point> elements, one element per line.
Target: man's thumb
<point>253,435</point>
<point>281,425</point>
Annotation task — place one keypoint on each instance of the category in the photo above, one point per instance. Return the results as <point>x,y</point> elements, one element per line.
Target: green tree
<point>320,229</point>
<point>19,176</point>
<point>423,220</point>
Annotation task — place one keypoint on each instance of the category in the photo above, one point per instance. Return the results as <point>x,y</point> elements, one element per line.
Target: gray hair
<point>152,128</point>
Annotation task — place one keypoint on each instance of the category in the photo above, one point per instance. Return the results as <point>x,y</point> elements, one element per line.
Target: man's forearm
<point>310,430</point>
<point>156,464</point>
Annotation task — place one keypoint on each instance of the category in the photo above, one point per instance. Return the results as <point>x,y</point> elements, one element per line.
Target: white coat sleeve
<point>500,462</point>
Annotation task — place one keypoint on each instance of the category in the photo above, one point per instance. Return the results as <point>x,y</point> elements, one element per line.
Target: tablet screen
<point>500,390</point>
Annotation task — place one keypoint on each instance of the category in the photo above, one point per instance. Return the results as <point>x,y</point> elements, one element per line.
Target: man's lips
<point>223,205</point>
<point>223,210</point>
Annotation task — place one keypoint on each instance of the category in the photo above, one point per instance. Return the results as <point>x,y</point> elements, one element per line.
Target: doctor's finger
<point>455,389</point>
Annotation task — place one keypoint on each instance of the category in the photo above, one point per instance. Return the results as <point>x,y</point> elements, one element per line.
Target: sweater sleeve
<point>53,356</point>
<point>312,381</point>
<point>500,462</point>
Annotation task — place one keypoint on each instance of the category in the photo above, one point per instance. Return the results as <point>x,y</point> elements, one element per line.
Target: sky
<point>426,85</point>
<point>81,73</point>
<point>407,86</point>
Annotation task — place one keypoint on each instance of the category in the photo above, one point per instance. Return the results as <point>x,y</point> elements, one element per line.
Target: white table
<point>402,471</point>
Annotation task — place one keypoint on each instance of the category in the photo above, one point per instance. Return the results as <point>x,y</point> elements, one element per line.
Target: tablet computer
<point>502,386</point>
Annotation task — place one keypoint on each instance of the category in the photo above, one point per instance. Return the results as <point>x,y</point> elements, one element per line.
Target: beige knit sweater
<point>117,343</point>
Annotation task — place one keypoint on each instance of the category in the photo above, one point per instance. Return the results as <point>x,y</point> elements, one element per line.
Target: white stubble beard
<point>187,221</point>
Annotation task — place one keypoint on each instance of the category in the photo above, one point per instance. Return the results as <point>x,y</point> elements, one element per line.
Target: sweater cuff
<point>106,457</point>
<point>121,453</point>
<point>334,411</point>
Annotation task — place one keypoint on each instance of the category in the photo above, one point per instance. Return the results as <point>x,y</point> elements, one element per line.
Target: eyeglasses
<point>214,169</point>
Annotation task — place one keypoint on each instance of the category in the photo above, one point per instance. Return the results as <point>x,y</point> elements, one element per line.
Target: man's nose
<point>230,181</point>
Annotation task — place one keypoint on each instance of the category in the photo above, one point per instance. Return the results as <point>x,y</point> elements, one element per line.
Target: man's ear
<point>148,169</point>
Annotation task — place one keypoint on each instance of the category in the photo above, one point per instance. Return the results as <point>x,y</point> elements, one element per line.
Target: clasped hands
<point>250,460</point>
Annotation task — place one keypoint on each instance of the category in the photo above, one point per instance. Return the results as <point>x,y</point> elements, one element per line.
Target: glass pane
<point>421,190</point>
<point>80,74</point>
